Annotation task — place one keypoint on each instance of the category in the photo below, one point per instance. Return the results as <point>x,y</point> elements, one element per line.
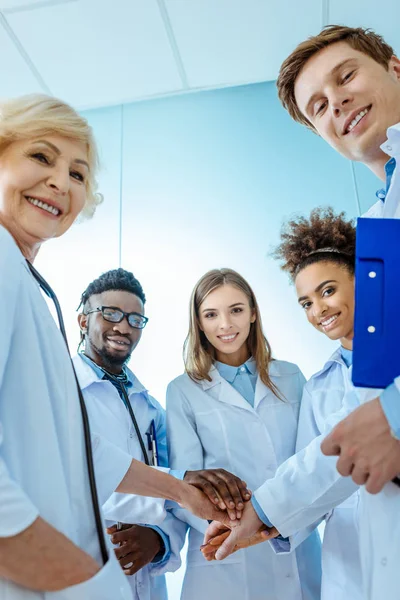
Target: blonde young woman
<point>237,408</point>
<point>51,530</point>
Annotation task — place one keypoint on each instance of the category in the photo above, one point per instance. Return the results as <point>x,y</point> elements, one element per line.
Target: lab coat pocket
<point>109,582</point>
<point>195,558</point>
<point>211,429</point>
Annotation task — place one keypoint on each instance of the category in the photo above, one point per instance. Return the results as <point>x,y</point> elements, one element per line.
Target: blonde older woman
<point>49,508</point>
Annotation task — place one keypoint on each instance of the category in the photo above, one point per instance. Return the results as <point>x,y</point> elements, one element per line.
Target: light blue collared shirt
<point>242,378</point>
<point>347,356</point>
<point>390,397</point>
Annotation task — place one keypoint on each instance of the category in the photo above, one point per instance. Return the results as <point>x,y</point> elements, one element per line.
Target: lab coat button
<point>243,369</point>
<point>384,561</point>
<point>131,435</point>
<point>389,148</point>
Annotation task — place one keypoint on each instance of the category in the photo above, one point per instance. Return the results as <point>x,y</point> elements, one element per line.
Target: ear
<point>394,67</point>
<point>253,316</point>
<point>82,322</point>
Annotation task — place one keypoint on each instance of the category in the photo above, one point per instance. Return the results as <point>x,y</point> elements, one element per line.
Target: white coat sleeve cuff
<point>109,582</point>
<point>390,402</point>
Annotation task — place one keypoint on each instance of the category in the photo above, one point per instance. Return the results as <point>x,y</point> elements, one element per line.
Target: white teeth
<point>51,209</point>
<point>327,322</point>
<point>356,119</point>
<point>227,337</point>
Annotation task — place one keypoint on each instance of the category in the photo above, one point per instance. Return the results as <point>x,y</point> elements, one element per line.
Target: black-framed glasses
<point>116,315</point>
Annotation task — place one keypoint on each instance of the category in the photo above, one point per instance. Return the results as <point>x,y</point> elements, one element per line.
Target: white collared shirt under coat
<point>109,416</point>
<point>43,469</point>
<point>210,425</point>
<point>379,520</point>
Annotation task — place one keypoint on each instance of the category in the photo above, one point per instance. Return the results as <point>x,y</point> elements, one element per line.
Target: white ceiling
<point>101,52</point>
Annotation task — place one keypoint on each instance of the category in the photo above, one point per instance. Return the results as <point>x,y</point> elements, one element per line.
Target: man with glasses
<point>122,411</point>
<point>120,408</point>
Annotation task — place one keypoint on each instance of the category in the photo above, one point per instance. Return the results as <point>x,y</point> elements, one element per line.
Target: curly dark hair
<point>324,236</point>
<point>117,279</point>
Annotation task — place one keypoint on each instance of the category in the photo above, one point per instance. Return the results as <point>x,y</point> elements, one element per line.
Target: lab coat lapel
<point>222,391</point>
<point>261,392</point>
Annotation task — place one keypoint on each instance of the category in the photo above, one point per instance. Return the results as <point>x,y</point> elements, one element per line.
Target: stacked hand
<point>225,490</point>
<point>222,538</point>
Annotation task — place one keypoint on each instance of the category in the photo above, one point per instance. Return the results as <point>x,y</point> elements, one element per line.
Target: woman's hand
<point>193,499</point>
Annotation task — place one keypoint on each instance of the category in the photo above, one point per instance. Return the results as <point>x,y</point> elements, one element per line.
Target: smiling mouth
<point>357,119</point>
<point>328,322</point>
<point>43,205</point>
<point>226,339</point>
<point>118,344</point>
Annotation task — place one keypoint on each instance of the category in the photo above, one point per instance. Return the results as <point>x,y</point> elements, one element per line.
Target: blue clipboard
<point>376,346</point>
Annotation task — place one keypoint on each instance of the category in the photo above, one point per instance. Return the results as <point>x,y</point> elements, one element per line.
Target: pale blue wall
<point>205,181</point>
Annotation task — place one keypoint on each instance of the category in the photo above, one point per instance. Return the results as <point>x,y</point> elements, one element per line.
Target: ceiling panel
<point>95,53</point>
<point>16,78</point>
<point>237,41</point>
<point>384,19</point>
<point>26,4</point>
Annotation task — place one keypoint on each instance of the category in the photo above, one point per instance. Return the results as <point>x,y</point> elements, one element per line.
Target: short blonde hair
<point>199,354</point>
<point>37,114</point>
<point>363,40</point>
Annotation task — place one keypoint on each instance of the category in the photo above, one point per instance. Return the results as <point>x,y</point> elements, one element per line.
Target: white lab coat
<point>341,566</point>
<point>379,520</point>
<point>109,417</point>
<point>210,425</point>
<point>43,467</point>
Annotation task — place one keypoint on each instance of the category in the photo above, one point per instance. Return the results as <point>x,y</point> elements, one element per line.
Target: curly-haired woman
<point>319,255</point>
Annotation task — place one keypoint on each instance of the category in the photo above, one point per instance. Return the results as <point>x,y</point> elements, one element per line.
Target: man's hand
<point>223,488</point>
<point>241,532</point>
<point>366,448</point>
<point>137,546</point>
<point>263,534</point>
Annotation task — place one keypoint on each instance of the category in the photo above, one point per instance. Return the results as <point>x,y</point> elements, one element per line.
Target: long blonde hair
<point>199,354</point>
<point>37,114</point>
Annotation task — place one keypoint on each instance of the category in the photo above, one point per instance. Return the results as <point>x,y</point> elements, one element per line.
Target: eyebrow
<point>230,306</point>
<point>79,161</point>
<point>317,289</point>
<point>335,70</point>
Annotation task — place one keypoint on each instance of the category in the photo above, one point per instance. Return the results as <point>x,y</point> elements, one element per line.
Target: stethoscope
<point>85,419</point>
<point>129,408</point>
<point>131,414</point>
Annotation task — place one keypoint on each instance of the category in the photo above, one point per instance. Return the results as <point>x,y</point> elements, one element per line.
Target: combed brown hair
<point>199,354</point>
<point>324,236</point>
<point>364,40</point>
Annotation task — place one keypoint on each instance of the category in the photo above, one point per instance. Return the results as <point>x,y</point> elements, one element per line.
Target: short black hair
<point>116,279</point>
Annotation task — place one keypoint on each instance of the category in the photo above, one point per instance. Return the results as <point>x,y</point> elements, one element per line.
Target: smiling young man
<point>344,84</point>
<point>122,411</point>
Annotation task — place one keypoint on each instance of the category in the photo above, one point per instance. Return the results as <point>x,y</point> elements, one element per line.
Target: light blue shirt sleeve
<point>160,558</point>
<point>283,543</point>
<point>390,402</point>
<point>177,474</point>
